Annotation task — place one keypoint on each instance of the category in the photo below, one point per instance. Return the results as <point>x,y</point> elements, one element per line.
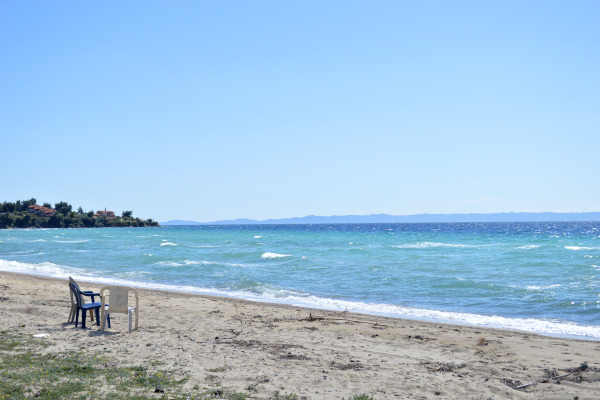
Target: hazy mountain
<point>386,218</point>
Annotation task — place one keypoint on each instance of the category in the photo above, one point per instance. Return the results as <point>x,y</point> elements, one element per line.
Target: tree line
<point>18,215</point>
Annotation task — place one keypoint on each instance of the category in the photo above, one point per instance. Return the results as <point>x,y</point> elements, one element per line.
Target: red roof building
<point>105,214</point>
<point>43,211</point>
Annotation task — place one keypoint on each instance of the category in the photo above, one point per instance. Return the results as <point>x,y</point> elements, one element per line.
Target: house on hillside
<point>105,214</point>
<point>42,211</point>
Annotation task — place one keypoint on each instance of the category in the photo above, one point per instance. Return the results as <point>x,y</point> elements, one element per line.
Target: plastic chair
<point>78,295</point>
<point>119,303</point>
<point>73,312</point>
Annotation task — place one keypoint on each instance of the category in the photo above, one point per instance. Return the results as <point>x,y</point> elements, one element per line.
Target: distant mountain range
<point>386,218</point>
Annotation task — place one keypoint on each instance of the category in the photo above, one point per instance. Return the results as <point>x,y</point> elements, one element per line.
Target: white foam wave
<point>257,237</point>
<point>71,241</point>
<point>43,269</point>
<point>575,248</point>
<point>426,245</point>
<point>132,274</point>
<point>181,264</point>
<point>274,255</point>
<point>528,247</point>
<point>533,287</point>
<point>168,244</point>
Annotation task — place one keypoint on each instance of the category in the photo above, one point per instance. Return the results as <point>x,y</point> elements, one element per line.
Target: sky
<point>212,110</point>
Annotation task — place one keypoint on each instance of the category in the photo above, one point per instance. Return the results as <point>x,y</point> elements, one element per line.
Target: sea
<point>535,277</point>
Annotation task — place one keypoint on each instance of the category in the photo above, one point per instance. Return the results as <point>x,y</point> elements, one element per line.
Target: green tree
<point>89,221</point>
<point>23,222</point>
<point>47,205</point>
<point>8,207</point>
<point>29,202</point>
<point>127,214</point>
<point>6,221</point>
<point>80,210</point>
<point>56,221</point>
<point>63,207</point>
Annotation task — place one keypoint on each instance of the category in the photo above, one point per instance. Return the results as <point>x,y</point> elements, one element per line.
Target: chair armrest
<point>91,294</point>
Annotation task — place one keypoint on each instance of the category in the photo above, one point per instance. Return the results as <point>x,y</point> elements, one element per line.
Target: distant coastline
<point>417,218</point>
<point>28,214</point>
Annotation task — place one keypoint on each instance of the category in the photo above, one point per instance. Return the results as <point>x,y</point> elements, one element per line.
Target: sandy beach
<point>259,349</point>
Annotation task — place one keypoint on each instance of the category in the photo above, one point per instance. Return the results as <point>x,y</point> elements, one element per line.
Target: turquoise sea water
<point>538,277</point>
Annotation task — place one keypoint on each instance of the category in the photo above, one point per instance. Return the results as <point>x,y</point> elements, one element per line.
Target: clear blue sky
<point>210,110</point>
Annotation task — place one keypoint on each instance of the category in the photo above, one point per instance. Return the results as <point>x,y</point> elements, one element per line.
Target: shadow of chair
<point>118,297</point>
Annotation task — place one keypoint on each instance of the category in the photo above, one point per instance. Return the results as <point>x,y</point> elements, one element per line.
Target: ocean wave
<point>71,241</point>
<point>168,244</point>
<point>528,247</point>
<point>426,245</point>
<point>575,248</point>
<point>274,255</point>
<point>189,262</point>
<point>257,237</point>
<point>533,287</point>
<point>181,264</point>
<point>132,274</point>
<point>41,269</point>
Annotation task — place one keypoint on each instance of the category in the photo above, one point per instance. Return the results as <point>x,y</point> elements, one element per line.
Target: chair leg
<point>71,314</point>
<point>130,316</point>
<point>103,325</point>
<point>83,319</point>
<point>92,315</point>
<point>76,318</point>
<point>97,316</point>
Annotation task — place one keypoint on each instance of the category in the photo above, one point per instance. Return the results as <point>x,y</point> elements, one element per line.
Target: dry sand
<point>258,348</point>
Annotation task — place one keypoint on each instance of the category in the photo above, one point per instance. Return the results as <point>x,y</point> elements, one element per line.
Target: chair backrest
<point>119,298</point>
<point>71,280</point>
<point>76,293</point>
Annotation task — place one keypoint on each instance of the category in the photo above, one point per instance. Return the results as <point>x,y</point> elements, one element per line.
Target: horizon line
<point>384,215</point>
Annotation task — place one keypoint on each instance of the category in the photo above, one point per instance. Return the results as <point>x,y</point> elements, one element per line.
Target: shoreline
<point>260,348</point>
<point>487,321</point>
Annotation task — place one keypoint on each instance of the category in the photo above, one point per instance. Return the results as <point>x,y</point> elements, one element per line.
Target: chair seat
<point>91,306</point>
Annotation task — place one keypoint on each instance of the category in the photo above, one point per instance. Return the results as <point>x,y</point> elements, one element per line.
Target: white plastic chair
<point>118,302</point>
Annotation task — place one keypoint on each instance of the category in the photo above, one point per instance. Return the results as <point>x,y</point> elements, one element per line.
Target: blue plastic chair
<point>74,310</point>
<point>95,306</point>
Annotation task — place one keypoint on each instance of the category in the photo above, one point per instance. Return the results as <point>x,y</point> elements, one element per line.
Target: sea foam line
<point>575,248</point>
<point>275,255</point>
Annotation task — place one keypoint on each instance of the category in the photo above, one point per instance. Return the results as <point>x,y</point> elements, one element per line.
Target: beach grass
<point>27,372</point>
